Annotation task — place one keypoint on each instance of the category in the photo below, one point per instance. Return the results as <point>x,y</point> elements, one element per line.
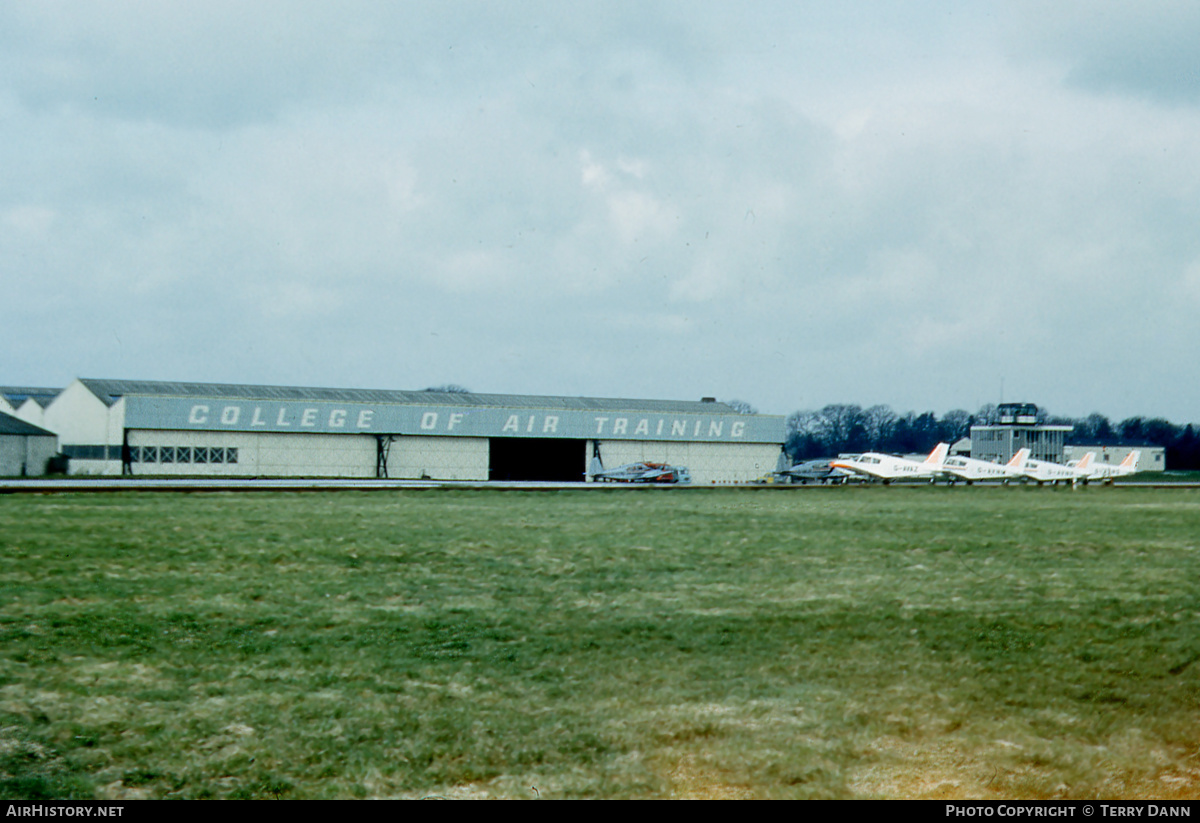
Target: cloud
<point>791,203</point>
<point>29,222</point>
<point>1143,50</point>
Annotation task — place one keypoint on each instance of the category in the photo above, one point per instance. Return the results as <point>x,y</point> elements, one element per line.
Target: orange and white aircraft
<point>1042,471</point>
<point>1103,471</point>
<point>887,467</point>
<point>969,469</point>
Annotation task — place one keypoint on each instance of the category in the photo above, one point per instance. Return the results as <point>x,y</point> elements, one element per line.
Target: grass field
<point>873,642</point>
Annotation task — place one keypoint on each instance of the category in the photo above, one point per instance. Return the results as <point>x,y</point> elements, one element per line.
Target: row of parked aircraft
<point>940,466</point>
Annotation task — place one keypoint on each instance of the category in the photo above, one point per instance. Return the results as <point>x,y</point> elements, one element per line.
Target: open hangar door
<point>537,458</point>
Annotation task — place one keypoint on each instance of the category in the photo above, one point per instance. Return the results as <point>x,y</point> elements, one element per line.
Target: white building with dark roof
<point>1152,458</point>
<point>25,449</point>
<point>158,428</point>
<point>26,403</point>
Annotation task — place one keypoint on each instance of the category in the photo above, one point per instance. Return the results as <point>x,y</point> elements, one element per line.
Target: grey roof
<point>13,425</point>
<point>109,390</point>
<point>16,395</point>
<point>1113,443</point>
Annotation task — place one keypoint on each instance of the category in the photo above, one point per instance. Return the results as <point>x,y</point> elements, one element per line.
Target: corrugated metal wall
<point>708,462</point>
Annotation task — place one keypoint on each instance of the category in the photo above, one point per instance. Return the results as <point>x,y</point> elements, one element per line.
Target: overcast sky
<point>795,204</point>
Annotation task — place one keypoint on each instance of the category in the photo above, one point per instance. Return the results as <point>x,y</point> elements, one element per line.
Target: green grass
<point>1003,642</point>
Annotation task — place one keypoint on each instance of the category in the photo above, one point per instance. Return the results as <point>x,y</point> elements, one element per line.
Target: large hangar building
<point>160,428</point>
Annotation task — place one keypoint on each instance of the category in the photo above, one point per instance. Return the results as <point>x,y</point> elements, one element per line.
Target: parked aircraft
<point>1055,473</point>
<point>887,467</point>
<point>817,471</point>
<point>969,469</point>
<point>639,473</point>
<point>1105,472</point>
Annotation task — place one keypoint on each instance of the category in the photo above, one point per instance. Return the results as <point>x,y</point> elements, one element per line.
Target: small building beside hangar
<point>164,428</point>
<point>25,449</point>
<point>1152,459</point>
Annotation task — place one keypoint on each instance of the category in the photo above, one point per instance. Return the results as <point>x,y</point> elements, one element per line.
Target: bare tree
<point>988,415</point>
<point>956,424</point>
<point>880,422</point>
<point>1095,427</point>
<point>801,423</point>
<point>843,427</point>
<point>801,432</point>
<point>741,407</point>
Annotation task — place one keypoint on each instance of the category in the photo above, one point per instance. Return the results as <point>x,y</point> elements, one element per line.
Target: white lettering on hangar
<point>308,417</point>
<point>716,428</point>
<point>513,424</point>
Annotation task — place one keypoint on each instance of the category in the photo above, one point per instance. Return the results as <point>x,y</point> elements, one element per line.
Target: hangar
<point>25,449</point>
<point>162,428</point>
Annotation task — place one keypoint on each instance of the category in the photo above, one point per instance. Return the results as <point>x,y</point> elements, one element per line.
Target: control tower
<point>1017,427</point>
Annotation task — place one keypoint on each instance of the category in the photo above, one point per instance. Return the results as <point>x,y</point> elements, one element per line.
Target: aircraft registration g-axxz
<point>887,468</point>
<point>968,469</point>
<point>639,473</point>
<point>1103,471</point>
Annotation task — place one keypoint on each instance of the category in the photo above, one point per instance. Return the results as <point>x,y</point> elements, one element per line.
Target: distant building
<point>27,403</point>
<point>139,427</point>
<point>1018,428</point>
<point>1153,458</point>
<point>25,449</point>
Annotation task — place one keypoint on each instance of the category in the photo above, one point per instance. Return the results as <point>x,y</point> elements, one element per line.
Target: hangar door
<point>537,458</point>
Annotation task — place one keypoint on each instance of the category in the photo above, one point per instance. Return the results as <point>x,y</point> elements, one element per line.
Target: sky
<point>932,206</point>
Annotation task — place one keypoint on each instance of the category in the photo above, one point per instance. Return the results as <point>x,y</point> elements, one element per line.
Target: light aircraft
<point>1105,472</point>
<point>1054,473</point>
<point>639,473</point>
<point>887,468</point>
<point>819,471</point>
<point>969,469</point>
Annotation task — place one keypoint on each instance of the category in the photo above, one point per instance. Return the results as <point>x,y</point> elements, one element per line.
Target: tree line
<point>843,428</point>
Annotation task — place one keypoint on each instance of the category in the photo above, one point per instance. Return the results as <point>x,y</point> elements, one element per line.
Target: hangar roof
<point>19,394</point>
<point>110,390</point>
<point>13,425</point>
<point>1112,443</point>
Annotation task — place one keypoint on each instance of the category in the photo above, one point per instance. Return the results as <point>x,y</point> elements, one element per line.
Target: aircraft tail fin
<point>1018,459</point>
<point>782,463</point>
<point>595,466</point>
<point>938,456</point>
<point>1131,460</point>
<point>1085,462</point>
